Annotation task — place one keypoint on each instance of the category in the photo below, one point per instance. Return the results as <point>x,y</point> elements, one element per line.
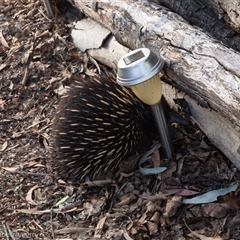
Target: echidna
<point>98,124</point>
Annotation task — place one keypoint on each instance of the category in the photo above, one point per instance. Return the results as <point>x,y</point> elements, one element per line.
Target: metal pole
<point>48,5</point>
<point>162,127</point>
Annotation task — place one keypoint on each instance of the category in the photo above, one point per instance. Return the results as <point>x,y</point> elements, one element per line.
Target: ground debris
<point>37,62</point>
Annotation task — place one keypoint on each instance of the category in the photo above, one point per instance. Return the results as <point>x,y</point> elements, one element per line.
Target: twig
<point>26,72</point>
<point>26,75</point>
<point>46,17</point>
<point>51,222</point>
<point>35,24</point>
<point>37,225</point>
<point>10,232</point>
<point>5,231</point>
<point>33,174</point>
<point>95,63</point>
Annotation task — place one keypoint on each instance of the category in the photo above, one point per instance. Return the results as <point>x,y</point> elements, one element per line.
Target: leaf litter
<point>37,63</point>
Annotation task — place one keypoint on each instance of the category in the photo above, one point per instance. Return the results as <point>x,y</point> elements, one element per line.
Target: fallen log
<point>230,11</point>
<point>195,63</point>
<point>209,16</point>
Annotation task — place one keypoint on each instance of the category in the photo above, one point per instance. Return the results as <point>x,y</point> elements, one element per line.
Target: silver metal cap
<point>138,66</point>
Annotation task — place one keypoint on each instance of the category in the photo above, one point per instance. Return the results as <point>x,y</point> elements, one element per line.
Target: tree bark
<point>210,16</point>
<point>230,11</point>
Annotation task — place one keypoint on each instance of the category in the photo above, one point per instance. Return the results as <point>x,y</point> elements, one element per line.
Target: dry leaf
<point>156,158</point>
<point>10,169</point>
<point>217,210</point>
<point>129,165</point>
<point>34,164</point>
<point>180,192</point>
<point>126,235</point>
<point>2,103</point>
<point>173,206</point>
<point>142,220</point>
<point>153,224</point>
<point>233,201</point>
<point>126,200</point>
<point>99,227</point>
<point>3,41</point>
<point>4,146</point>
<point>159,196</point>
<point>202,237</point>
<point>211,196</point>
<point>33,211</point>
<point>29,195</point>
